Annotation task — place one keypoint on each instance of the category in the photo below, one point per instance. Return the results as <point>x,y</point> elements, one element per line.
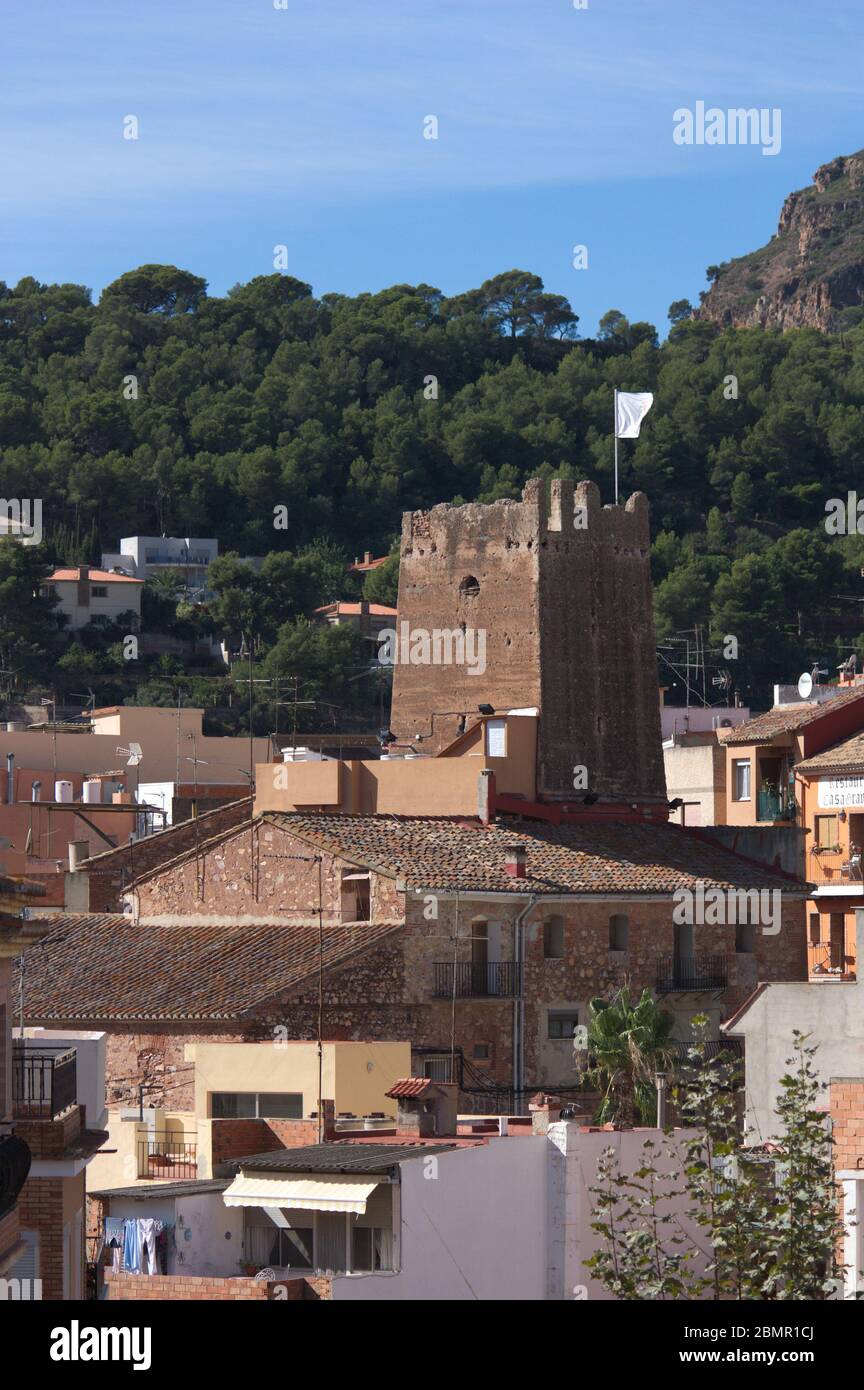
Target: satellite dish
<point>805,685</point>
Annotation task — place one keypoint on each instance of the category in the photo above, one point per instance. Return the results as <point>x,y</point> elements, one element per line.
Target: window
<point>619,932</point>
<point>266,1244</point>
<point>741,776</point>
<point>469,587</point>
<point>370,1249</point>
<point>98,590</point>
<point>815,929</point>
<point>252,1105</point>
<point>481,1052</point>
<point>356,896</point>
<point>553,938</point>
<point>562,1023</point>
<point>745,938</point>
<point>826,831</point>
<point>496,738</point>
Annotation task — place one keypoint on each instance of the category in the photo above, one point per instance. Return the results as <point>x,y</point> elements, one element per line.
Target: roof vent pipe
<point>10,779</point>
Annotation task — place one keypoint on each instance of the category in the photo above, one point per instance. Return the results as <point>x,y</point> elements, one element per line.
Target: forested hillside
<point>162,409</point>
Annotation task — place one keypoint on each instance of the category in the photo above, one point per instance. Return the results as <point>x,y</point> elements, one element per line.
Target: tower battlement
<point>559,586</point>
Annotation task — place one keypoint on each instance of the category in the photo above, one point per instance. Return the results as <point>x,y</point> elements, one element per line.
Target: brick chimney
<point>515,861</point>
<point>545,1110</point>
<point>367,557</point>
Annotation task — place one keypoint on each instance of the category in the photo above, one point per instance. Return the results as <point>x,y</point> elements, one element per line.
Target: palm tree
<point>627,1044</point>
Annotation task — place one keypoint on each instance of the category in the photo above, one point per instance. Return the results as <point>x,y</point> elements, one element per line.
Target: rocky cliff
<point>811,273</point>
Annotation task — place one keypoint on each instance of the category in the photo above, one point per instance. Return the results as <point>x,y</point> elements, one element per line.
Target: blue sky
<point>304,126</point>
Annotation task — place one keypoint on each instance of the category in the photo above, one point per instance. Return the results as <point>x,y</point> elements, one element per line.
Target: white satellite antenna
<point>805,685</point>
<point>135,754</point>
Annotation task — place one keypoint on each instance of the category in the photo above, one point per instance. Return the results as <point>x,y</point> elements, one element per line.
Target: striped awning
<point>308,1191</point>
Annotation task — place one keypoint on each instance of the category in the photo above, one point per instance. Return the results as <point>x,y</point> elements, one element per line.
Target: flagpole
<point>615,437</point>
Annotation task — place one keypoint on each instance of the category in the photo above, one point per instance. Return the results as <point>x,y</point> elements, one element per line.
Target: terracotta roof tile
<point>413,1086</point>
<point>431,852</point>
<point>787,719</point>
<point>103,966</point>
<point>95,576</point>
<point>846,756</point>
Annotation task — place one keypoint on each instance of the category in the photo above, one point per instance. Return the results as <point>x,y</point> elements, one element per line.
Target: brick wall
<point>847,1116</point>
<point>50,1138</point>
<point>239,1138</point>
<point>141,1287</point>
<point>9,1235</point>
<point>41,1209</point>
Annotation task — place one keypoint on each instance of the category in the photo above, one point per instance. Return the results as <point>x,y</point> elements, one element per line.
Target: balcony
<point>828,960</point>
<point>683,974</point>
<point>494,979</point>
<point>770,806</point>
<point>837,869</point>
<point>44,1081</point>
<point>167,1157</point>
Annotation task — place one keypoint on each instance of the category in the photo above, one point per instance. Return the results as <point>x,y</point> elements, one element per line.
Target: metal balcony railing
<point>166,1157</point>
<point>829,958</point>
<point>494,979</point>
<point>44,1081</point>
<point>836,867</point>
<point>771,806</point>
<point>696,972</point>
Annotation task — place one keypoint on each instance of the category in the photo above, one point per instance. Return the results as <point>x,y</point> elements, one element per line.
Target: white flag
<point>631,407</point>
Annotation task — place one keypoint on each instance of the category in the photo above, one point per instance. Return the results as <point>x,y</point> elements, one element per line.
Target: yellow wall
<point>120,1169</point>
<point>355,1074</point>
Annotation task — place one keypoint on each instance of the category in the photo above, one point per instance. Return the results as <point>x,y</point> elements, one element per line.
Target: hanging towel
<point>131,1248</point>
<point>148,1229</point>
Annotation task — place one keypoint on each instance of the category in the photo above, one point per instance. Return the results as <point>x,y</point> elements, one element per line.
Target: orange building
<point>803,765</point>
<point>831,794</point>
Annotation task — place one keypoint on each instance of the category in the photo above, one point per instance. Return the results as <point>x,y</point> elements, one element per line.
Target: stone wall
<point>108,874</point>
<point>567,616</point>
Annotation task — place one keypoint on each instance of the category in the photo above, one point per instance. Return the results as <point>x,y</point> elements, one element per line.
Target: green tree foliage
<point>628,1042</point>
<point>708,1216</point>
<point>164,410</point>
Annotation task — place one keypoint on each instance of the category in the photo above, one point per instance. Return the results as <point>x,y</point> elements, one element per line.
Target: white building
<point>143,556</point>
<point>95,596</point>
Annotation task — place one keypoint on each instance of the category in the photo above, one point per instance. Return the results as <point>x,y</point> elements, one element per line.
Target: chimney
<point>367,557</point>
<point>486,796</point>
<point>10,779</point>
<point>425,1107</point>
<point>78,850</point>
<point>545,1111</point>
<point>514,861</point>
<point>328,1120</point>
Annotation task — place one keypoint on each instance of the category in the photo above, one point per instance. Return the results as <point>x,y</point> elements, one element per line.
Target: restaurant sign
<point>841,791</point>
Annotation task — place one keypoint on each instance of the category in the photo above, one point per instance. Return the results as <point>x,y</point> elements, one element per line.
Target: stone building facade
<point>561,591</point>
<point>455,953</point>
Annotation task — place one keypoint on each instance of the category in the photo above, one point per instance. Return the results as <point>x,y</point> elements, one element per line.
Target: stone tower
<point>563,595</point>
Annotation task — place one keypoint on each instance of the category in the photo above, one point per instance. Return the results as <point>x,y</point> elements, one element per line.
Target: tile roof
<point>337,1157</point>
<point>414,1086</point>
<point>346,609</point>
<point>432,852</point>
<point>108,967</point>
<point>95,576</point>
<point>167,839</point>
<point>787,719</point>
<point>846,756</point>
